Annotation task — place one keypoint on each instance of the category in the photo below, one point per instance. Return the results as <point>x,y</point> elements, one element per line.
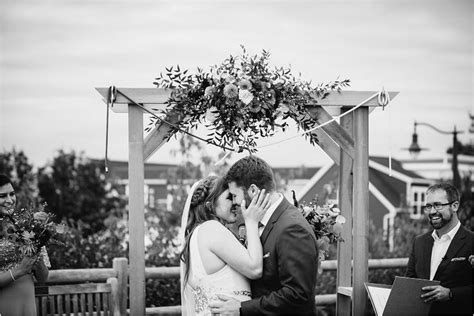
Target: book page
<point>379,297</point>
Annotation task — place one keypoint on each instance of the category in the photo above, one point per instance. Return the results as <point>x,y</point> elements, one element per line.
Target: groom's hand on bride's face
<point>225,306</point>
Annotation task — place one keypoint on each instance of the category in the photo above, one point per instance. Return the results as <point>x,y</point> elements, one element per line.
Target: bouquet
<point>34,229</point>
<point>326,222</point>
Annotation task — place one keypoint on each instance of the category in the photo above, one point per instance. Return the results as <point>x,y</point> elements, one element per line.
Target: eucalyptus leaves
<point>242,99</point>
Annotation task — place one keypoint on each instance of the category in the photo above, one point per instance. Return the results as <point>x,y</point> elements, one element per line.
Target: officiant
<point>443,255</point>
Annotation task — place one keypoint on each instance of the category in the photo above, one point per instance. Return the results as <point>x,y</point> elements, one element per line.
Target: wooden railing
<point>120,271</point>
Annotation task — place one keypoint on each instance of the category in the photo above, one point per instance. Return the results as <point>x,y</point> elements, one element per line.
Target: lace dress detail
<point>205,287</point>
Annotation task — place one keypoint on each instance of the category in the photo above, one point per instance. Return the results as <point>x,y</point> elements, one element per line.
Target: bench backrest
<point>76,299</point>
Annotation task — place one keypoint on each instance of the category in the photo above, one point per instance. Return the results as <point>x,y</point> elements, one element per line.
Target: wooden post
<point>344,249</point>
<point>136,218</point>
<point>115,302</point>
<point>120,265</point>
<point>361,210</point>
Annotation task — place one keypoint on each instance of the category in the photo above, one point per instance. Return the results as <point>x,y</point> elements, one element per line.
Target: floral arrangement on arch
<point>242,99</point>
<point>326,222</point>
<point>25,233</point>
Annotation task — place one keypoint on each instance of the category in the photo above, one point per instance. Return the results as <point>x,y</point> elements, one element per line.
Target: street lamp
<point>415,149</point>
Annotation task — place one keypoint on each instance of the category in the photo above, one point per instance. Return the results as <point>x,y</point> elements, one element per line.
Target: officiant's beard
<point>443,222</point>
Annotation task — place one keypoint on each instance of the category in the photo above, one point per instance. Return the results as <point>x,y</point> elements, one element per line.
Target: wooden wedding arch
<point>346,143</point>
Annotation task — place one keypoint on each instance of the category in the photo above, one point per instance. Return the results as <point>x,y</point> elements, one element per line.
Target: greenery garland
<point>241,100</point>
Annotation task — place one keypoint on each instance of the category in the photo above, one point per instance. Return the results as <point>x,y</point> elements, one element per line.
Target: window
<point>418,200</point>
<point>151,197</point>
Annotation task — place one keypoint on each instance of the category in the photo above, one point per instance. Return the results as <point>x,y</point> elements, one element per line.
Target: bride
<point>213,261</point>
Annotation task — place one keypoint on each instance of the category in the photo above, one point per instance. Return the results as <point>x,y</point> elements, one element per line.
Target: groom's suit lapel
<point>284,204</point>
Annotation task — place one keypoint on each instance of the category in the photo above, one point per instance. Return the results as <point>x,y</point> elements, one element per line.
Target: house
<point>157,187</point>
<point>440,168</point>
<point>391,190</point>
<point>156,181</point>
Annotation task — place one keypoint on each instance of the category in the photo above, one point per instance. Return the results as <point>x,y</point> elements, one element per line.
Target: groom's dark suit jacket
<point>454,271</point>
<point>290,260</point>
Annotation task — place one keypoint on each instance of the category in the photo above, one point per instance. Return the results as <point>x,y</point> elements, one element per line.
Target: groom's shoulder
<point>293,216</point>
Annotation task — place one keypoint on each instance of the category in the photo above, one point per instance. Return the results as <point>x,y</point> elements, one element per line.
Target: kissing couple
<point>274,275</point>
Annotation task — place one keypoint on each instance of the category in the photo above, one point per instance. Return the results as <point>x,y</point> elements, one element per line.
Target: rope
<point>111,97</point>
<point>385,100</point>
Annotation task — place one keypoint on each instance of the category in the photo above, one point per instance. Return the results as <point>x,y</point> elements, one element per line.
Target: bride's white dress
<point>202,288</point>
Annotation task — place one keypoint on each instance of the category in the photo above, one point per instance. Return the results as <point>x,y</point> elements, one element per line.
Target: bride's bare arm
<point>247,261</point>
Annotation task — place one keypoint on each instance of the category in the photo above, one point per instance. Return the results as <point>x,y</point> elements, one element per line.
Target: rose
<point>40,216</point>
<point>231,91</point>
<point>245,96</point>
<point>209,91</point>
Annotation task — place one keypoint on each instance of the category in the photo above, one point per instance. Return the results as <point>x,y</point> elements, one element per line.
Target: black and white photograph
<point>266,157</point>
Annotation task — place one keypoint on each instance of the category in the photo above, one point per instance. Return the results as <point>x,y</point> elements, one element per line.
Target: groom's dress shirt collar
<point>270,212</point>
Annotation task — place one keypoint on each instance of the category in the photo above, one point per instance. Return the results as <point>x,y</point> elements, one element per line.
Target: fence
<point>119,271</point>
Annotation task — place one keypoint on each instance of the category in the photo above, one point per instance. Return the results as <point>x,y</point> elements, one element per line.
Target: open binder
<point>402,298</point>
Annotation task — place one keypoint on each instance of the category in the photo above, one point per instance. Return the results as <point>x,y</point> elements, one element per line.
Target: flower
<point>40,216</point>
<point>209,91</point>
<point>250,95</point>
<point>27,235</point>
<point>245,84</point>
<point>231,91</point>
<point>254,107</point>
<point>270,97</point>
<point>35,228</point>
<point>326,222</point>
<point>245,96</point>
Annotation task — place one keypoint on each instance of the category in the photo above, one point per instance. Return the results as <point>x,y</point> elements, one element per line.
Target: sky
<point>53,53</point>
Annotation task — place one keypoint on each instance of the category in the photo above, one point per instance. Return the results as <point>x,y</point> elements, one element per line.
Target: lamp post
<point>415,149</point>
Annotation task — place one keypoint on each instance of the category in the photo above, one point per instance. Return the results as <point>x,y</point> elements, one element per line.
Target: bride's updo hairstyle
<point>202,209</point>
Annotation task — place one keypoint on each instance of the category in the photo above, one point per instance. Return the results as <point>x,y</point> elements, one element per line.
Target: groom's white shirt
<point>269,213</point>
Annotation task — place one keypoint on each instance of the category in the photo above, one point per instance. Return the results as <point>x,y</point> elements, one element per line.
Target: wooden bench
<point>78,299</point>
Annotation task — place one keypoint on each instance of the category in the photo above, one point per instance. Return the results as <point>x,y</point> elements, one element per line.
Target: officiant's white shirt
<point>440,246</point>
<point>269,213</point>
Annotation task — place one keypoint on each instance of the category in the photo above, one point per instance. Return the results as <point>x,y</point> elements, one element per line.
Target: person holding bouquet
<point>17,272</point>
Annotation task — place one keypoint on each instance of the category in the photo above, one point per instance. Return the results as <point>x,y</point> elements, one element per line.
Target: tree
<point>76,188</point>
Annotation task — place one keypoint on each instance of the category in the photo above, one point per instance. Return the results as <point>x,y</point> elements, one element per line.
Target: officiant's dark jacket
<point>290,260</point>
<point>454,271</point>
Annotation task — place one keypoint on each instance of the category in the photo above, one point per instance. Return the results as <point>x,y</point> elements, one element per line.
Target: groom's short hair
<point>251,170</point>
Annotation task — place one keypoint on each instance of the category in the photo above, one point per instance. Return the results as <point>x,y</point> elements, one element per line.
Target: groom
<point>290,260</point>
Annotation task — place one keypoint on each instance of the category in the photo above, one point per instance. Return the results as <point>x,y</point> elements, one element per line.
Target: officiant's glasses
<point>437,206</point>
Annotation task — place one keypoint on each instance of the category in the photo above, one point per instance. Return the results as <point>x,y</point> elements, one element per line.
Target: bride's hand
<point>257,208</point>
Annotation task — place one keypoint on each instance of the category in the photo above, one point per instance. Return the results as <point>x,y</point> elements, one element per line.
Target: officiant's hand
<point>226,306</point>
<point>435,293</point>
